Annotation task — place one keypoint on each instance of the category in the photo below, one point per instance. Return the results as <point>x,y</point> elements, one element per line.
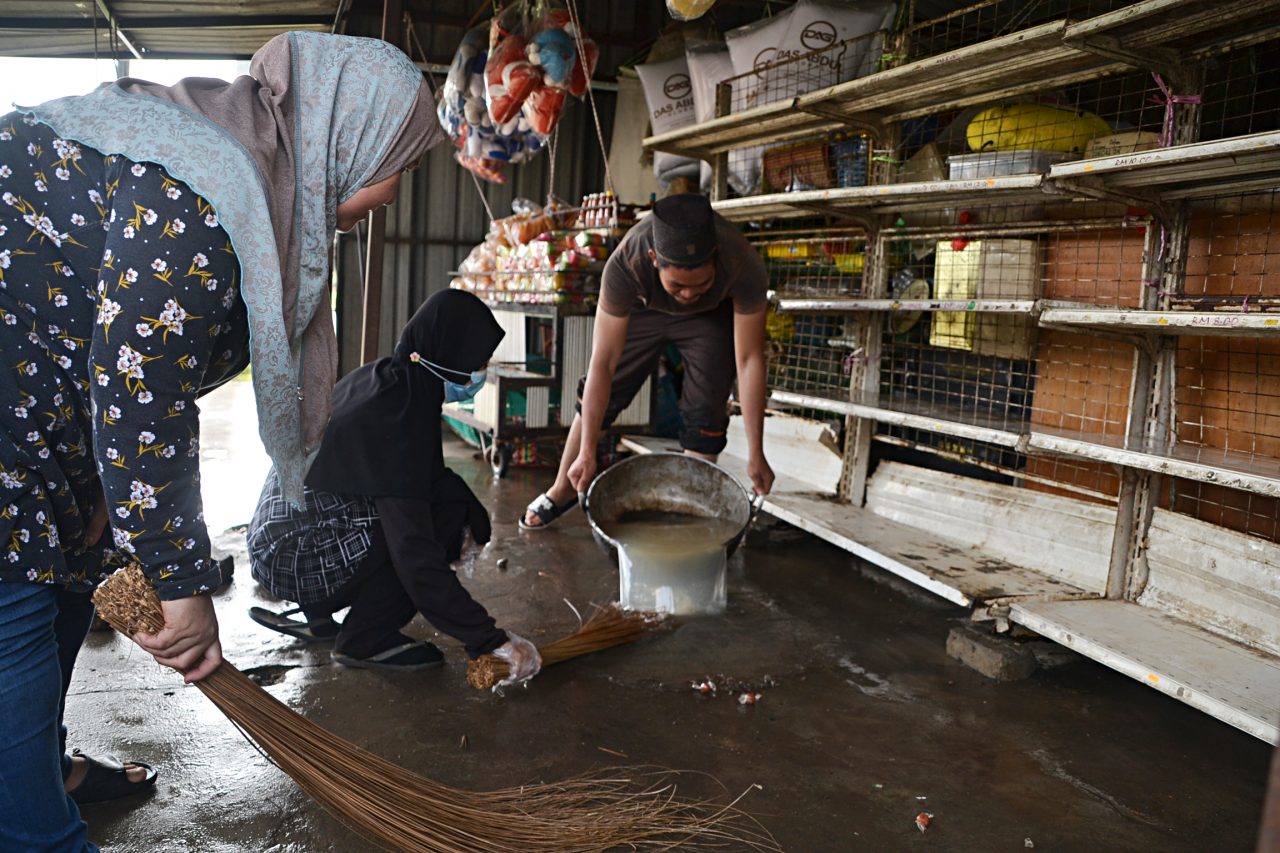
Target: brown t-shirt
<point>630,281</point>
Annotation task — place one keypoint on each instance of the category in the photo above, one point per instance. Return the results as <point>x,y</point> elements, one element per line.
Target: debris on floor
<point>922,820</point>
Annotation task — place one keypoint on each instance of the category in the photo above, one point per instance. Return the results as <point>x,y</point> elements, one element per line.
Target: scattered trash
<point>922,798</point>
<point>612,751</point>
<point>463,744</point>
<point>922,820</point>
<point>748,692</point>
<point>502,564</point>
<point>1027,842</point>
<point>877,785</point>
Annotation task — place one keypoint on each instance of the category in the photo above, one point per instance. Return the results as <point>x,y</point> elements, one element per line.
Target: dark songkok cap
<point>684,231</point>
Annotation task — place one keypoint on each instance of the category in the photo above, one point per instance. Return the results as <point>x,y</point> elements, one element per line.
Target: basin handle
<point>582,502</point>
<point>757,503</point>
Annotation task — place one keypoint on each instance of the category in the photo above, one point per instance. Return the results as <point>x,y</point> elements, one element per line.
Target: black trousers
<point>380,604</point>
<point>407,571</point>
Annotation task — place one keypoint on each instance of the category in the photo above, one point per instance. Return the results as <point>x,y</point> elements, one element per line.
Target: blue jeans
<point>41,630</point>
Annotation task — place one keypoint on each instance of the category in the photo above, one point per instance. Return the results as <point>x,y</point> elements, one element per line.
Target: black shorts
<point>705,341</point>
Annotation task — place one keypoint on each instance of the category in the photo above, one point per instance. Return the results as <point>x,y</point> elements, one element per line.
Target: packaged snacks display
<point>536,255</point>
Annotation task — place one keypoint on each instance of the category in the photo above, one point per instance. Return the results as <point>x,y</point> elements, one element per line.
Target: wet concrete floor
<point>868,721</point>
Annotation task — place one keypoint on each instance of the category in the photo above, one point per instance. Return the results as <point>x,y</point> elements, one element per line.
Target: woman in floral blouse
<point>153,241</point>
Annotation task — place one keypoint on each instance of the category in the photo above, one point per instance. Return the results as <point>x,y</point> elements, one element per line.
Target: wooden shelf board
<point>1005,189</point>
<point>1235,469</point>
<point>955,572</point>
<point>930,417</point>
<point>1236,684</point>
<point>1183,171</point>
<point>837,304</point>
<point>1208,323</point>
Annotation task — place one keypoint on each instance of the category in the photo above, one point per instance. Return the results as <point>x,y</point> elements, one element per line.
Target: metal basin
<point>667,482</point>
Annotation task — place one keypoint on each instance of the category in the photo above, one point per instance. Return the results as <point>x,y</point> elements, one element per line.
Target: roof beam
<point>115,25</point>
<point>174,22</point>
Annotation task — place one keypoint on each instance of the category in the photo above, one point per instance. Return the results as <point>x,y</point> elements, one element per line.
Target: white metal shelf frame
<point>1158,34</point>
<point>1245,471</point>
<point>1051,314</point>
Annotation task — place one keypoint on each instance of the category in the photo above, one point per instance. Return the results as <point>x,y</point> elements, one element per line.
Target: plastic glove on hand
<point>521,656</point>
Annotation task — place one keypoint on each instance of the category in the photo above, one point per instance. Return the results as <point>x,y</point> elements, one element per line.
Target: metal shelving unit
<point>1132,336</point>
<point>999,68</point>
<point>1050,55</point>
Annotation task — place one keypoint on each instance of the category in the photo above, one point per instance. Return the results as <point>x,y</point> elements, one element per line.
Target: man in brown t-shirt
<point>686,276</point>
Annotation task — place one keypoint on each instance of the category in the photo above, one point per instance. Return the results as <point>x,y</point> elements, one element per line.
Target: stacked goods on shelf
<point>1019,139</point>
<point>838,160</point>
<point>986,269</point>
<point>814,266</point>
<point>551,255</point>
<point>508,84</point>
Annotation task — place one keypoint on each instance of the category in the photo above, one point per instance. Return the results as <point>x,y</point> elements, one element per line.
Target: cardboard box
<point>1121,143</point>
<point>986,269</point>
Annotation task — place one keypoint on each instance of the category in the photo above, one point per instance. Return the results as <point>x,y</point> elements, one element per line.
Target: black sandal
<point>106,779</point>
<point>409,656</point>
<point>315,631</point>
<point>546,511</point>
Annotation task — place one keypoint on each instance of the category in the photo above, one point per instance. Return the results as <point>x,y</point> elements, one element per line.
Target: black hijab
<point>383,438</point>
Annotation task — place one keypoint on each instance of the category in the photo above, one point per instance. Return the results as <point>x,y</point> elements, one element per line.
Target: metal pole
<point>393,32</point>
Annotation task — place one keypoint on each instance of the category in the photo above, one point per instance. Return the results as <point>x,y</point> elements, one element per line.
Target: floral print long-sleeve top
<point>119,306</point>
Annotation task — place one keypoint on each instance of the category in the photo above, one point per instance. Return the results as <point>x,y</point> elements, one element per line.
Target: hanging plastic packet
<point>508,83</point>
<point>689,10</point>
<point>484,146</point>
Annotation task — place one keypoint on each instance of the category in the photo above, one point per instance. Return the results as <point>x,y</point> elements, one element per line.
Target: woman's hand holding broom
<point>521,657</point>
<point>188,642</point>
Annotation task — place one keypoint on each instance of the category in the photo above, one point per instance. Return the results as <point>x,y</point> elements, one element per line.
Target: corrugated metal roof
<point>160,29</point>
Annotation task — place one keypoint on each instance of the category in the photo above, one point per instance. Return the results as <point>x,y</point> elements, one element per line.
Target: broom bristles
<point>607,627</point>
<point>400,810</point>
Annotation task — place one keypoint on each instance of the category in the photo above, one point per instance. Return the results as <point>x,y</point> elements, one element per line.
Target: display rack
<point>1050,55</point>
<point>1122,390</point>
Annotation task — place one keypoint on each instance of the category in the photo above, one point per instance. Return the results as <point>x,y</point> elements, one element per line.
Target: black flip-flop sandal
<point>406,657</point>
<point>546,511</point>
<point>105,779</point>
<point>316,631</point>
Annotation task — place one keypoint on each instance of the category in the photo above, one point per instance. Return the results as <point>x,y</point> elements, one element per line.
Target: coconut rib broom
<point>608,626</point>
<point>400,810</point>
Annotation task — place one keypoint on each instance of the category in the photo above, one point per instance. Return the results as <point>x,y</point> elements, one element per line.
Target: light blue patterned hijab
<point>319,117</point>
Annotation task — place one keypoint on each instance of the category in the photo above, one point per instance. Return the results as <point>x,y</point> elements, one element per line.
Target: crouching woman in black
<point>382,517</point>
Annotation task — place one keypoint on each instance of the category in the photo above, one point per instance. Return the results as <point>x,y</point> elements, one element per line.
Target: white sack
<point>668,91</point>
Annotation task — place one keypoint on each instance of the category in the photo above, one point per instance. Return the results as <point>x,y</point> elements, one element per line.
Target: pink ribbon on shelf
<point>847,363</point>
<point>1169,100</point>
